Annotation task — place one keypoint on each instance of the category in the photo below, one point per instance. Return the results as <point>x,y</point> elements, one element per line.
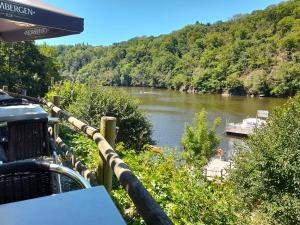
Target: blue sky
<point>110,21</point>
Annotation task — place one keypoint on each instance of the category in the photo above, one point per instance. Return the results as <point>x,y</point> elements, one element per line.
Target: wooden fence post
<point>56,102</point>
<point>108,130</point>
<point>5,88</point>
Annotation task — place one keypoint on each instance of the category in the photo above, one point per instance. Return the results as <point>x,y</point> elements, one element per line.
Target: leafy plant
<point>201,141</point>
<point>185,195</point>
<point>266,170</point>
<point>91,103</point>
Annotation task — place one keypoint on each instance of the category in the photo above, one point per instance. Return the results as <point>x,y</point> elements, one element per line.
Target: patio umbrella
<point>24,20</point>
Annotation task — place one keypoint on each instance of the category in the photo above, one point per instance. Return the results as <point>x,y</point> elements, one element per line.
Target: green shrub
<point>83,147</point>
<point>234,85</point>
<point>90,104</point>
<point>201,141</point>
<point>184,194</point>
<point>69,91</point>
<point>266,170</point>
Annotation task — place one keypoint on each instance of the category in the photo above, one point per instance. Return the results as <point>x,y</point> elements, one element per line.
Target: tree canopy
<point>25,66</point>
<point>200,142</point>
<point>257,53</point>
<point>91,103</point>
<point>266,170</point>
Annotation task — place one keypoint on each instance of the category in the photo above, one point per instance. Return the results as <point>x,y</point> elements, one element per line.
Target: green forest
<point>255,54</point>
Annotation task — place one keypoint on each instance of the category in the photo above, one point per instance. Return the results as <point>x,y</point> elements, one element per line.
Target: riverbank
<point>224,93</point>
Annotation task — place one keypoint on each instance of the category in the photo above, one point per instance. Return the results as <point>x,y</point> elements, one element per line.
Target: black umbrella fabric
<point>24,20</point>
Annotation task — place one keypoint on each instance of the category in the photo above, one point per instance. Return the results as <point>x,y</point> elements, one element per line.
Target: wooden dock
<point>216,168</point>
<point>238,130</point>
<point>248,125</point>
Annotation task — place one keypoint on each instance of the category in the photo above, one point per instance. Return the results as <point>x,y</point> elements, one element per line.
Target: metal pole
<point>56,102</point>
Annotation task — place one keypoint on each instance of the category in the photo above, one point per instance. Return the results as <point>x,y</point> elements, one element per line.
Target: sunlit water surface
<point>169,111</point>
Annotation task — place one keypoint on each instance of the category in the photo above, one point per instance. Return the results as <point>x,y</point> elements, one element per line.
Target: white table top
<point>84,207</point>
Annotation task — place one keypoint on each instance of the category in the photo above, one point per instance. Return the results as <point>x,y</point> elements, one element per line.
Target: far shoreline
<point>223,94</point>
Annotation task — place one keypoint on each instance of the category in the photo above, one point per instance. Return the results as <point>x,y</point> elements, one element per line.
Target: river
<point>169,111</point>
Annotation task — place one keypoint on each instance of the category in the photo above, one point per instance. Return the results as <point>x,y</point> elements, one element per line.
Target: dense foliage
<point>24,66</point>
<point>257,53</point>
<point>73,58</point>
<point>184,194</point>
<point>200,142</point>
<point>90,104</point>
<point>266,171</point>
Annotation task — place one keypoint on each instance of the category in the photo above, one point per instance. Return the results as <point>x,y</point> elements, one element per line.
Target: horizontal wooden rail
<point>146,206</point>
<point>31,99</point>
<point>77,164</point>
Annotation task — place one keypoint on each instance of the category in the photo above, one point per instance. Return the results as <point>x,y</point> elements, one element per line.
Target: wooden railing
<point>146,206</point>
<point>211,174</point>
<point>75,162</point>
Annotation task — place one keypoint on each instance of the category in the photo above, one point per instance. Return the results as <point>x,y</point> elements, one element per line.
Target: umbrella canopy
<point>23,20</point>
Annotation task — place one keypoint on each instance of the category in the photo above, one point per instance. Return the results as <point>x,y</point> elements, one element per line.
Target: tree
<point>201,141</point>
<point>23,66</point>
<point>234,84</point>
<point>266,170</point>
<point>91,103</point>
<point>178,81</point>
<point>256,82</point>
<point>284,79</point>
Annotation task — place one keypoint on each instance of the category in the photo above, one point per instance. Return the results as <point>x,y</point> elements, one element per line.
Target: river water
<point>169,111</point>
